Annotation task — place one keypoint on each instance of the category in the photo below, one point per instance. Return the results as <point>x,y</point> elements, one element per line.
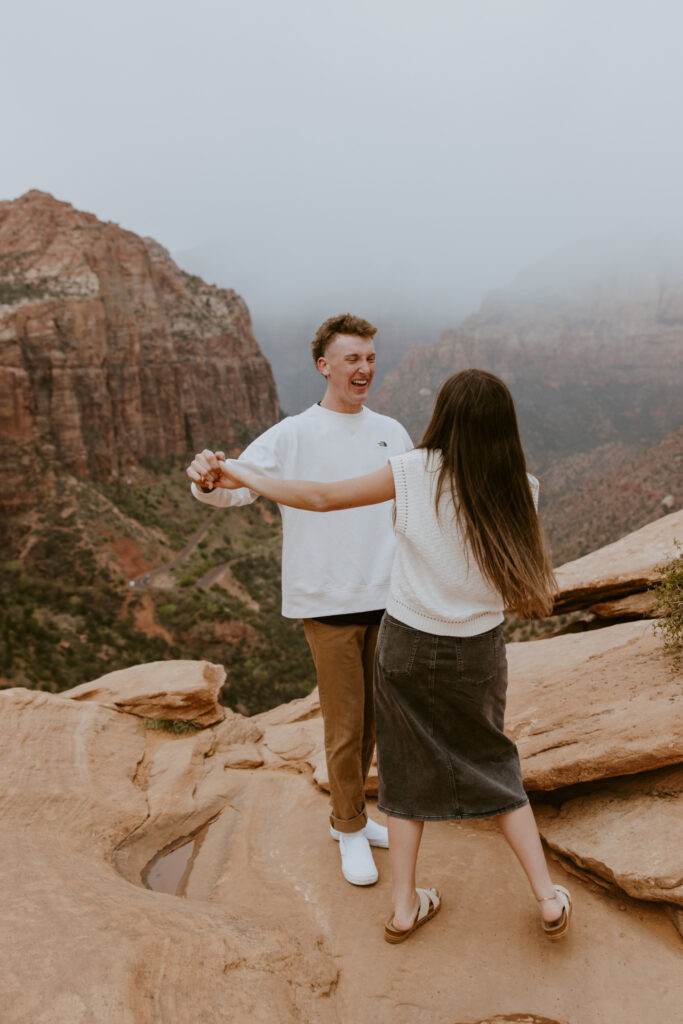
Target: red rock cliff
<point>110,355</point>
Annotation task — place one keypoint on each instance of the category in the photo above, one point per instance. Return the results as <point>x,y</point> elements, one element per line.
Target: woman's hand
<point>205,469</point>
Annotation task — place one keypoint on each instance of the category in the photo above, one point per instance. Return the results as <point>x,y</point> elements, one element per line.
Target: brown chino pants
<point>344,657</point>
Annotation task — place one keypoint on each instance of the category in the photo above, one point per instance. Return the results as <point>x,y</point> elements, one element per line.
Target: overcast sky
<point>364,154</point>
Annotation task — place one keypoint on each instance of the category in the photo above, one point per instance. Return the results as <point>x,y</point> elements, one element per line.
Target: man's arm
<point>312,495</point>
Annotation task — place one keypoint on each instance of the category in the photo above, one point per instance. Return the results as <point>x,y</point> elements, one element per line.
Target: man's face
<point>348,366</point>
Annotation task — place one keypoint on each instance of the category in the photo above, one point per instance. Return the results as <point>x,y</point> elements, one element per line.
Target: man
<point>340,599</point>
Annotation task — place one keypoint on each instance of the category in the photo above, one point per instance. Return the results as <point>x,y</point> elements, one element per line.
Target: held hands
<point>209,470</point>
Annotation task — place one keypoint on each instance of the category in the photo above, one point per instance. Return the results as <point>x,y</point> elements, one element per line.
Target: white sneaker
<point>358,867</point>
<point>376,835</point>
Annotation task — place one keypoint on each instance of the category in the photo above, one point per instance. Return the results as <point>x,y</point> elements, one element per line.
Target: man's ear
<point>322,366</point>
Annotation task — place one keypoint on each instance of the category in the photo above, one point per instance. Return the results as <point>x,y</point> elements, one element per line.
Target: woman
<point>469,544</point>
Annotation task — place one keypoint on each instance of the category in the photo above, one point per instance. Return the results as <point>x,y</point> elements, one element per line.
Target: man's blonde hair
<point>344,324</point>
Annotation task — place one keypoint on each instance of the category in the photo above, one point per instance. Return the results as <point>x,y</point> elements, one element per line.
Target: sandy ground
<point>270,858</point>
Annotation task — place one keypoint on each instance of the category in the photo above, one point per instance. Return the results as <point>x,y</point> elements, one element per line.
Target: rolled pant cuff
<point>349,824</point>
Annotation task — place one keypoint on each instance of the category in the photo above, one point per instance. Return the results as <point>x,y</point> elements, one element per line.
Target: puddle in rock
<point>170,870</point>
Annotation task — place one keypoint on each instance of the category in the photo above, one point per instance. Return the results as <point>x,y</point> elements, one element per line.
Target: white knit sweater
<point>435,586</point>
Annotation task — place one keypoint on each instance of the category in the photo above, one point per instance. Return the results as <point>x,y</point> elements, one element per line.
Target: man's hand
<point>205,469</point>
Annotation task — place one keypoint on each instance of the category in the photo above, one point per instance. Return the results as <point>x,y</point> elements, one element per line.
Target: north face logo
<point>382,444</point>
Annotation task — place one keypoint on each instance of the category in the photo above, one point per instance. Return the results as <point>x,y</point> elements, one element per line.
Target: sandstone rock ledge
<point>627,831</point>
<point>269,930</point>
<point>594,705</point>
<point>618,570</point>
<point>178,691</point>
<point>79,942</point>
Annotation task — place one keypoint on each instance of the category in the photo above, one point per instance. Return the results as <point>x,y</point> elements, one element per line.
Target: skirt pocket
<point>397,647</point>
<point>479,658</point>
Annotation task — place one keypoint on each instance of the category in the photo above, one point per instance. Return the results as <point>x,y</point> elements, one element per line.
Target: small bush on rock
<point>171,725</point>
<point>670,606</point>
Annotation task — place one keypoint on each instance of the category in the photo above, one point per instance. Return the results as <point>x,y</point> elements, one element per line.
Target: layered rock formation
<point>268,930</point>
<point>628,832</point>
<point>622,570</point>
<point>110,355</point>
<point>194,686</point>
<point>161,878</point>
<point>592,705</point>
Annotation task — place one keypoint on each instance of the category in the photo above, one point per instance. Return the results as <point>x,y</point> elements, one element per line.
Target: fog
<point>397,159</point>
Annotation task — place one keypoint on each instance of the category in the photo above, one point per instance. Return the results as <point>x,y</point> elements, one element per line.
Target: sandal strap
<point>428,898</point>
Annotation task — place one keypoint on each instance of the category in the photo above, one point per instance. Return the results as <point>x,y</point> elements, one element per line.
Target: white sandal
<point>430,904</point>
<point>558,929</point>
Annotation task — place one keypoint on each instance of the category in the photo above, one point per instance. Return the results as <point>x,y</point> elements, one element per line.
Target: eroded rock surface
<point>642,605</point>
<point>77,788</point>
<point>629,831</point>
<point>594,705</point>
<point>269,930</point>
<point>625,567</point>
<point>181,691</point>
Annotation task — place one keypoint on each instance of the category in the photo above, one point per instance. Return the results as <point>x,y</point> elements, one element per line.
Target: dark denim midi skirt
<point>439,708</point>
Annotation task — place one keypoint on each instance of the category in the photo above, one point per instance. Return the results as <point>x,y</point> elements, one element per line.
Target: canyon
<point>165,853</point>
<point>115,365</point>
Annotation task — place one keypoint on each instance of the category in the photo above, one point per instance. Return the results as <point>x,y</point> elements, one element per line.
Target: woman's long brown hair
<point>474,427</point>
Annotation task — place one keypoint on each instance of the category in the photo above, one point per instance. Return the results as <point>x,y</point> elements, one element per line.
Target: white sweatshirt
<point>436,584</point>
<point>333,563</point>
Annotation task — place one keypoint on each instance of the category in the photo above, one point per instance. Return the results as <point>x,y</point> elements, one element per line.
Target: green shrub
<point>13,291</point>
<point>171,725</point>
<point>187,580</point>
<point>669,606</point>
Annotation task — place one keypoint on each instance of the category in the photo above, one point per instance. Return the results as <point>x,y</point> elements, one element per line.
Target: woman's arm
<point>310,494</point>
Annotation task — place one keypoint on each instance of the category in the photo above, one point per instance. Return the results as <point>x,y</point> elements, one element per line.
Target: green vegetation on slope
<point>69,613</point>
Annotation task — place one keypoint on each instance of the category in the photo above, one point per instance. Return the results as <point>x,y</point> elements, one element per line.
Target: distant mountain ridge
<point>573,393</point>
<point>113,357</point>
<point>596,370</point>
